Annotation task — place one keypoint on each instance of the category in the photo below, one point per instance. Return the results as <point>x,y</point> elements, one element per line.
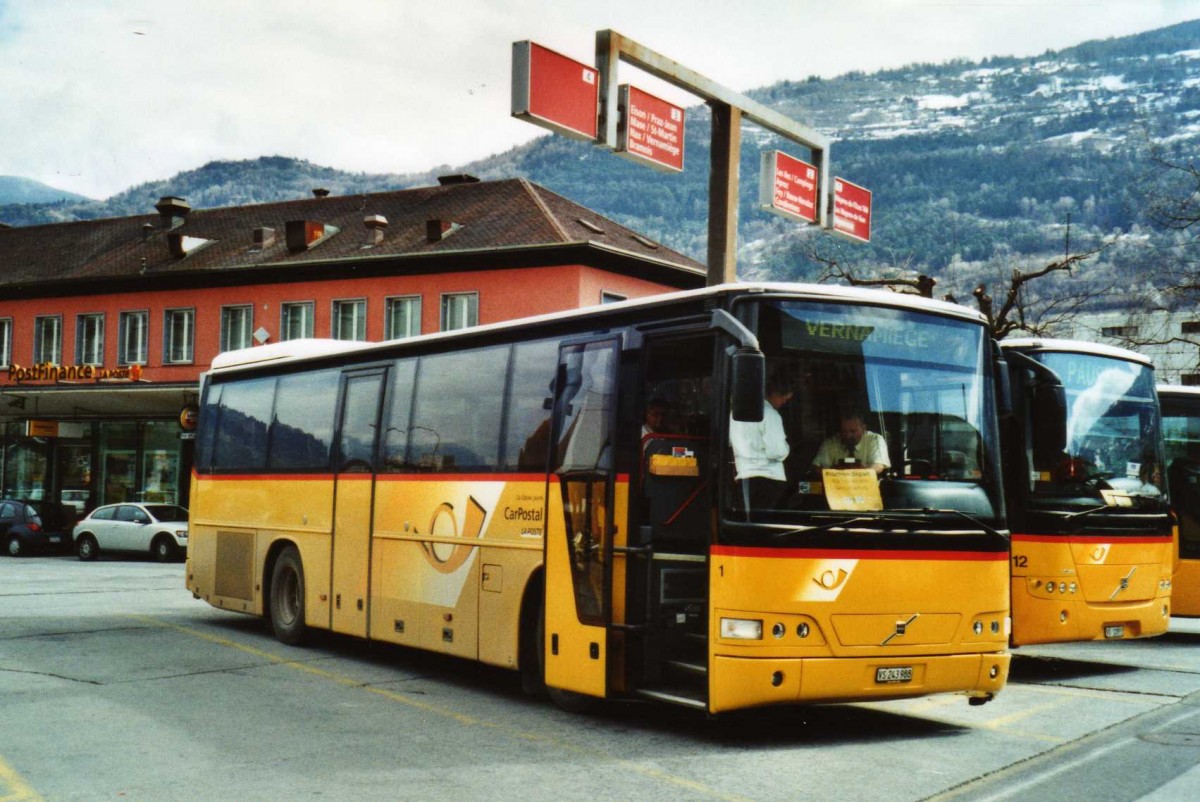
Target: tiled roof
<point>508,214</point>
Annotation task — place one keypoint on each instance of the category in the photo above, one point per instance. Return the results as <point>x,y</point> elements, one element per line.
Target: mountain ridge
<point>977,168</point>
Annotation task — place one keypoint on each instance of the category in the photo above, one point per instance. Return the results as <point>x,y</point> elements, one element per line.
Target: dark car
<point>22,530</point>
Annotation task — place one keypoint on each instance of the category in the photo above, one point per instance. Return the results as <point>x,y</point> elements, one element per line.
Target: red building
<point>106,325</point>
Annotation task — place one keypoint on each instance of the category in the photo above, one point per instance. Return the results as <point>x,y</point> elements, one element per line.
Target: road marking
<point>471,721</point>
<point>13,787</point>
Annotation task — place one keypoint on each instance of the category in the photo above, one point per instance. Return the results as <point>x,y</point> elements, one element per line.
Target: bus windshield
<point>885,411</point>
<point>1114,446</point>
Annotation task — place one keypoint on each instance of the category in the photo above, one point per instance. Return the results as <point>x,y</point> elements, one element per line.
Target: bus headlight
<point>742,628</point>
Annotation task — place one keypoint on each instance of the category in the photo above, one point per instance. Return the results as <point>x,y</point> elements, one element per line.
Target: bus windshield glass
<point>871,411</point>
<point>1113,447</point>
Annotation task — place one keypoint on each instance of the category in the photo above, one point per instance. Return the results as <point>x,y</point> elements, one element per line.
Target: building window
<point>5,342</point>
<point>1190,379</point>
<point>134,338</point>
<point>350,319</point>
<point>236,327</point>
<point>47,340</point>
<point>403,317</point>
<point>296,321</point>
<point>179,332</point>
<point>1119,331</point>
<point>607,297</point>
<point>1190,327</point>
<point>89,340</point>
<point>460,310</point>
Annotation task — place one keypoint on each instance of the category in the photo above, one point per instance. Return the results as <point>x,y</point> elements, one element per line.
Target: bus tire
<point>533,641</point>
<point>287,597</point>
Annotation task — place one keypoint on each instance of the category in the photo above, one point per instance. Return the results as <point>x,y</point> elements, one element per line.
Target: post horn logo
<point>449,557</point>
<point>831,580</point>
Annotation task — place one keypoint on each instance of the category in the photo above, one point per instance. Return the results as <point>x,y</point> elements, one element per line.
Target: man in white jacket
<point>759,449</point>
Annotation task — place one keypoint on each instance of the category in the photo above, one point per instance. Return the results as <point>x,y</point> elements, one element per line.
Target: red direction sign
<point>650,130</point>
<point>553,91</point>
<point>851,210</point>
<point>788,186</point>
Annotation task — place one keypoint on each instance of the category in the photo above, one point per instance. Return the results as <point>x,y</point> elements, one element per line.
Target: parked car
<point>160,529</point>
<point>22,530</point>
<point>76,499</point>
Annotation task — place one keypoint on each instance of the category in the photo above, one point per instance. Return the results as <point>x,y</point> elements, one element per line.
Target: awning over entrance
<point>110,402</point>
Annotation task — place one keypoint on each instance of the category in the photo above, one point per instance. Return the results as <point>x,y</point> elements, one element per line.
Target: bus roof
<point>1075,347</point>
<point>289,350</point>
<point>1177,389</point>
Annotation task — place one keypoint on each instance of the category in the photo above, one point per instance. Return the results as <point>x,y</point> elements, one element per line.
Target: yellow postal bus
<point>1087,494</point>
<point>500,494</point>
<point>1181,431</point>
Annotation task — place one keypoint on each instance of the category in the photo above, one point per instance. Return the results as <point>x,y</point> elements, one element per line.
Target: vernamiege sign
<point>650,130</point>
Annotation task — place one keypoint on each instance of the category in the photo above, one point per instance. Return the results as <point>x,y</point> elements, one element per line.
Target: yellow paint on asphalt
<point>471,721</point>
<point>13,787</point>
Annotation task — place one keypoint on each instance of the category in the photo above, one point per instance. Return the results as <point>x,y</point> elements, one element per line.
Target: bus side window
<point>527,418</point>
<point>459,399</point>
<point>395,441</point>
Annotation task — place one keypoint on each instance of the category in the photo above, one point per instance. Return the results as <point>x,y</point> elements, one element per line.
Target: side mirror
<point>747,379</point>
<point>1048,413</point>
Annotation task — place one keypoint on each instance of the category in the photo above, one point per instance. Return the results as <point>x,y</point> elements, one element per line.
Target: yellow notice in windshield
<point>853,489</point>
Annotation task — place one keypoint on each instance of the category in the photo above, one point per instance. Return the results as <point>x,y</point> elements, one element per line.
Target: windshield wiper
<point>929,512</point>
<point>908,517</point>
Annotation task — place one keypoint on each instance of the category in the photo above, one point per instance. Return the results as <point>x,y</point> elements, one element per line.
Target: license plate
<point>1114,632</point>
<point>894,674</point>
<point>55,539</point>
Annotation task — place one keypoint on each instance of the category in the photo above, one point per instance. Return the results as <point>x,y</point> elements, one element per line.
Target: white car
<point>160,529</point>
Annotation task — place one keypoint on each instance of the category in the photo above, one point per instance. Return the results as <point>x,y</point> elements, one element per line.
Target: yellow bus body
<point>450,562</point>
<point>1081,588</point>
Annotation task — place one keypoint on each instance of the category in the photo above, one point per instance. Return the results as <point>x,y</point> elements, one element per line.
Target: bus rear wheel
<point>287,597</point>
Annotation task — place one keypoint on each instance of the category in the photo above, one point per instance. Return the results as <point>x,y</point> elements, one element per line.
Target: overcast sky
<point>99,95</point>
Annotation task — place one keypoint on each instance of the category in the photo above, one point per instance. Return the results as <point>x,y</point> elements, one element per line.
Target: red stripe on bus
<point>389,477</point>
<point>858,554</point>
<point>1092,538</point>
<point>264,477</point>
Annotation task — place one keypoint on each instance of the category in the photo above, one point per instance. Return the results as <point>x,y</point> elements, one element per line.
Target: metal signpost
<point>652,131</point>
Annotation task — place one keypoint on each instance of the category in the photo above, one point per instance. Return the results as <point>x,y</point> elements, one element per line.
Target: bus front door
<point>357,440</point>
<point>580,532</point>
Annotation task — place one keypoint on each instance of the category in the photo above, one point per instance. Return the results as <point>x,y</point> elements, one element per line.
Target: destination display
<point>650,130</point>
<point>554,91</point>
<point>788,186</point>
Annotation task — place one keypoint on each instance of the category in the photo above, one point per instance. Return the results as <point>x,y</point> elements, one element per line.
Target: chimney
<point>172,210</point>
<point>457,178</point>
<point>264,237</point>
<point>320,192</point>
<point>375,224</point>
<point>437,230</point>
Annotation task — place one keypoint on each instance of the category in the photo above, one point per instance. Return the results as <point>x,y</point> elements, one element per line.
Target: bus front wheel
<point>287,597</point>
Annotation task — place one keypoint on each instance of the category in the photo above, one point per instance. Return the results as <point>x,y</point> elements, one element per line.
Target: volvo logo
<point>901,629</point>
<point>1123,584</point>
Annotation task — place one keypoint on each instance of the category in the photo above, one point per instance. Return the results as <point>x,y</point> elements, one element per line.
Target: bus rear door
<point>357,441</point>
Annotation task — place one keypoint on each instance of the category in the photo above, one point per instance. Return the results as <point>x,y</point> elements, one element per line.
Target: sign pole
<point>723,193</point>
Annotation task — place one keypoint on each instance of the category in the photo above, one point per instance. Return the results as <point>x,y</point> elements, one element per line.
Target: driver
<point>853,446</point>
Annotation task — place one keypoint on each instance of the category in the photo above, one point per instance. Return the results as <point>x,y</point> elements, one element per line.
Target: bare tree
<point>1020,308</point>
